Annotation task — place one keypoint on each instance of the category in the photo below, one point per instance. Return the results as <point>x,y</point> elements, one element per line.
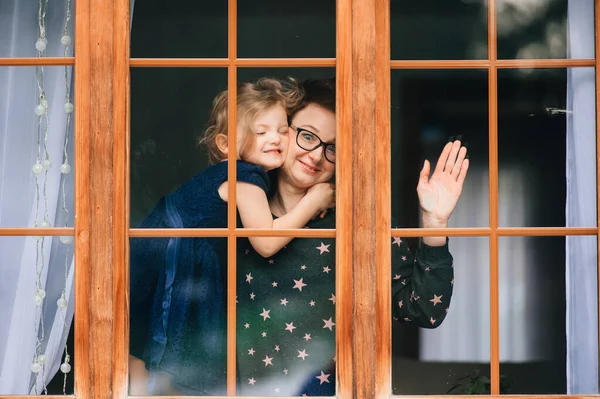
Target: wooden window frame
<point>363,66</point>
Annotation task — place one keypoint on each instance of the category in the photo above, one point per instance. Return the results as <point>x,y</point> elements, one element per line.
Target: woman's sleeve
<point>421,284</point>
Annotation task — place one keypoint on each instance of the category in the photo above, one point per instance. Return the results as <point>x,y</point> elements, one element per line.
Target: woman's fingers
<point>439,167</point>
<point>454,150</point>
<point>462,153</point>
<point>463,172</point>
<point>424,175</point>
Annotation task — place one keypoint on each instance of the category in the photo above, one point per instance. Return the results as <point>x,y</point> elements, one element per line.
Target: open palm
<point>439,194</point>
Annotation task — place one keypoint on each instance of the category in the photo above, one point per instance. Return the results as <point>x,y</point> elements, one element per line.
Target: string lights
<point>40,170</point>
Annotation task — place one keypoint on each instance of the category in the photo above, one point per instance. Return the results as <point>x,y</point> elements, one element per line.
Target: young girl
<point>178,313</point>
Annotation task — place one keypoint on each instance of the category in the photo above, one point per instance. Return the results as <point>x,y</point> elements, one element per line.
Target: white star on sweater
<point>265,314</point>
<point>249,278</point>
<point>307,336</point>
<point>323,248</point>
<point>268,360</point>
<point>251,381</point>
<point>332,299</point>
<point>326,269</point>
<point>302,354</point>
<point>251,351</point>
<point>299,284</point>
<point>323,377</point>
<point>290,327</point>
<point>329,324</point>
<point>397,241</point>
<point>284,301</point>
<point>436,299</point>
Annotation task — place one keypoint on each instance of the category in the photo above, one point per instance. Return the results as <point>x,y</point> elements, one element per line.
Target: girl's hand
<point>322,195</point>
<point>439,194</point>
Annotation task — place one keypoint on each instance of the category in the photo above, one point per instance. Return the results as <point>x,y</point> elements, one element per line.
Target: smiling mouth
<point>308,168</point>
<point>274,151</point>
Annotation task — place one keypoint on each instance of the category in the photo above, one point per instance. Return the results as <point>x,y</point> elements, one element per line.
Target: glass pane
<point>547,147</point>
<point>178,316</point>
<point>440,345</point>
<point>286,318</point>
<point>283,29</point>
<point>36,147</point>
<point>37,313</point>
<point>545,29</point>
<point>438,30</point>
<point>164,141</point>
<point>549,315</point>
<point>428,108</point>
<point>182,29</point>
<point>36,29</point>
<point>299,74</point>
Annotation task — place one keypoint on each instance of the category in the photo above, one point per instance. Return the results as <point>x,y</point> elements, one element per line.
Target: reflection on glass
<point>447,30</point>
<point>548,292</point>
<point>284,29</point>
<point>36,29</point>
<point>36,147</point>
<point>545,29</point>
<point>286,317</point>
<point>428,108</point>
<point>182,29</point>
<point>178,316</point>
<point>448,355</point>
<point>165,129</point>
<point>300,74</point>
<point>546,131</point>
<point>37,314</point>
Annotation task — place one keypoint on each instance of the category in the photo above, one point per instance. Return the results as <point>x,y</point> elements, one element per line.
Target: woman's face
<point>302,168</point>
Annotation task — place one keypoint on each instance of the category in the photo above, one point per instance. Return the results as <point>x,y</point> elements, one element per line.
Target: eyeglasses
<point>309,141</point>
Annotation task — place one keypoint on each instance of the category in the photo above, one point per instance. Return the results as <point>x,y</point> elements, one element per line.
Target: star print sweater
<point>286,309</point>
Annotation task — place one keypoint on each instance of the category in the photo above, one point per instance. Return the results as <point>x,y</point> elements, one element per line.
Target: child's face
<point>268,140</point>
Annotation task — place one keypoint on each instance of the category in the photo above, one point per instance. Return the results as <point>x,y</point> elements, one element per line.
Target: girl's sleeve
<point>421,284</point>
<point>253,174</point>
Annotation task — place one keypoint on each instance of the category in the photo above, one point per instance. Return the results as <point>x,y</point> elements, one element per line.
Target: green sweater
<point>286,309</point>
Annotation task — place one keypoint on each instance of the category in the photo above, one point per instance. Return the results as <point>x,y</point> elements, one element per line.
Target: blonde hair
<point>252,99</point>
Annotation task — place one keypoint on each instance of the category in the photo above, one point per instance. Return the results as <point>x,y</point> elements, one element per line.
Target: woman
<point>286,303</point>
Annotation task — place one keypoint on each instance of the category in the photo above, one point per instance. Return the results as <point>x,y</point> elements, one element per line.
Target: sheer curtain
<point>581,252</point>
<point>29,332</point>
<point>33,335</point>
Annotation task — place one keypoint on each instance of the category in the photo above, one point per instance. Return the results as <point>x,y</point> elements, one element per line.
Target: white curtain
<point>581,252</point>
<point>26,264</point>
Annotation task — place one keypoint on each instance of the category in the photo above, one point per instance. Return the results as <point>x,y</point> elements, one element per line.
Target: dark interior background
<point>169,107</point>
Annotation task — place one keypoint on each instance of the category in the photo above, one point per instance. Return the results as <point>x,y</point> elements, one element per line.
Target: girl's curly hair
<point>253,98</point>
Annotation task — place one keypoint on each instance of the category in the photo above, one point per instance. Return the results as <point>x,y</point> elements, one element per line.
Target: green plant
<point>476,384</point>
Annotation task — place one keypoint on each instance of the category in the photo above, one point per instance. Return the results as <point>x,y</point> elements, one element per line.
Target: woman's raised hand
<point>439,194</point>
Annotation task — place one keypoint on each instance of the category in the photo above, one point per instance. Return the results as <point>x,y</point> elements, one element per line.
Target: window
<point>487,82</point>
